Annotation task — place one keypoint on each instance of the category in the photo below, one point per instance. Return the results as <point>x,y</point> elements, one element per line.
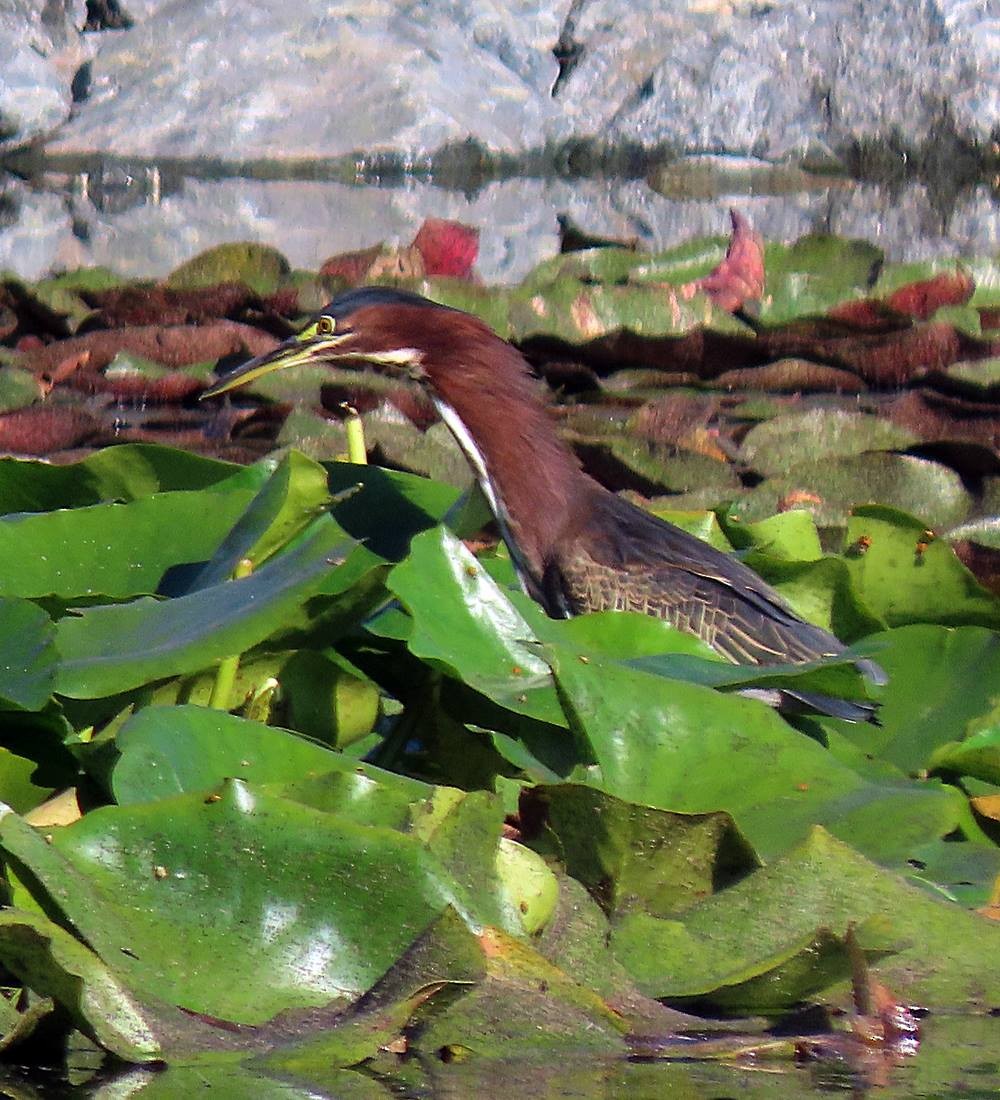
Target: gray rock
<point>746,81</point>
<point>784,80</point>
<point>934,64</point>
<point>40,50</point>
<point>276,81</point>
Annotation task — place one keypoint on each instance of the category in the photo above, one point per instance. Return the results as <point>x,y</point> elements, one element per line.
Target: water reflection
<point>144,221</point>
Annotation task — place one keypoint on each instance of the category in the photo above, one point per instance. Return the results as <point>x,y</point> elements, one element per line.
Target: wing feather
<point>626,559</point>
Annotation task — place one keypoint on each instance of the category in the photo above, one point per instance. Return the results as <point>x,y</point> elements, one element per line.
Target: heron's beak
<point>306,347</point>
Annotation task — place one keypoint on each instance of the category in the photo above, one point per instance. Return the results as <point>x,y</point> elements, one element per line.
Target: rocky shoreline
<point>405,83</point>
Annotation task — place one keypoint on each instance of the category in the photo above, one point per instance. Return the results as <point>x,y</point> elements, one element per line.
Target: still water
<point>144,220</point>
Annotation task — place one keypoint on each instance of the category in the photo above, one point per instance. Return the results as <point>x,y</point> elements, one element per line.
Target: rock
<point>40,52</point>
<point>783,80</point>
<point>279,81</point>
<point>740,81</point>
<point>934,63</point>
<point>274,81</point>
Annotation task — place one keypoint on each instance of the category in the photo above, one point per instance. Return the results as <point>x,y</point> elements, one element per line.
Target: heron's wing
<point>626,559</point>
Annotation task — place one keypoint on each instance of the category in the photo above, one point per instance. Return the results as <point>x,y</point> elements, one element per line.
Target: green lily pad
<point>114,550</point>
<point>313,434</point>
<point>500,1016</point>
<point>978,755</point>
<point>905,574</point>
<point>321,905</point>
<point>940,680</point>
<point>981,373</point>
<point>260,267</point>
<point>683,747</point>
<point>464,623</point>
<point>86,279</point>
<point>700,522</point>
<point>630,856</point>
<point>961,871</point>
<point>814,274</point>
<point>779,447</point>
<point>27,655</point>
<point>167,751</point>
<point>101,1005</point>
<point>294,494</point>
<point>110,649</point>
<point>56,300</point>
<point>580,312</point>
<point>126,366</point>
<point>776,912</point>
<point>489,304</point>
<point>126,473</point>
<point>663,469</point>
<point>386,508</point>
<point>18,388</point>
<point>444,961</point>
<point>432,453</point>
<point>787,536</point>
<point>906,482</point>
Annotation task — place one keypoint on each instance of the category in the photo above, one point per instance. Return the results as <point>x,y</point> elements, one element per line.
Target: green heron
<point>576,546</point>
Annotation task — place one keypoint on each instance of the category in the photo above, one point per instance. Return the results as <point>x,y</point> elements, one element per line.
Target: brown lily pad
<point>791,376</point>
<point>162,305</point>
<point>169,345</point>
<point>932,416</point>
<point>923,299</point>
<point>880,359</point>
<point>42,429</point>
<point>352,267</point>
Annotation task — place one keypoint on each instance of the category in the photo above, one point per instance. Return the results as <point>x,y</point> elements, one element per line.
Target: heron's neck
<point>530,478</point>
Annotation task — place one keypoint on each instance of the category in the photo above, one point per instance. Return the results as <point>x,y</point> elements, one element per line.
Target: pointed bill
<point>308,346</point>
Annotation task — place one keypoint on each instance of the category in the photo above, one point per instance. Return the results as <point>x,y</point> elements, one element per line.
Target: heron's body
<point>576,546</point>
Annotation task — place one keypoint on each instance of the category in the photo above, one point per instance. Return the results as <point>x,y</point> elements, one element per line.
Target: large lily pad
<point>939,956</point>
<point>115,550</point>
<point>114,648</point>
<point>167,751</point>
<point>683,747</point>
<point>940,680</point>
<point>780,446</point>
<point>322,905</point>
<point>124,473</point>
<point>464,623</point>
<point>905,574</point>
<point>833,488</point>
<point>580,312</point>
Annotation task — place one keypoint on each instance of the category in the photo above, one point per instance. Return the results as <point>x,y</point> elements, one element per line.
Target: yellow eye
<point>325,325</point>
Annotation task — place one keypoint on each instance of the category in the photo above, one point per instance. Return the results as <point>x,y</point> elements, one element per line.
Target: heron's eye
<point>325,325</point>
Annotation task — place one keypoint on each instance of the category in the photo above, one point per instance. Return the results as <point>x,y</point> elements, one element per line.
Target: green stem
<point>356,452</point>
<point>225,674</point>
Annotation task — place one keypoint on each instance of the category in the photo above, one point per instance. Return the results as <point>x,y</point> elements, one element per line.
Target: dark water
<point>959,1059</point>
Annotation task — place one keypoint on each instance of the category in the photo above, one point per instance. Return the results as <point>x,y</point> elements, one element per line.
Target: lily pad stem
<point>225,676</point>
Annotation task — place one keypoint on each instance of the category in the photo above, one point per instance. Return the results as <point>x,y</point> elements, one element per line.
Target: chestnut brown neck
<point>485,393</point>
